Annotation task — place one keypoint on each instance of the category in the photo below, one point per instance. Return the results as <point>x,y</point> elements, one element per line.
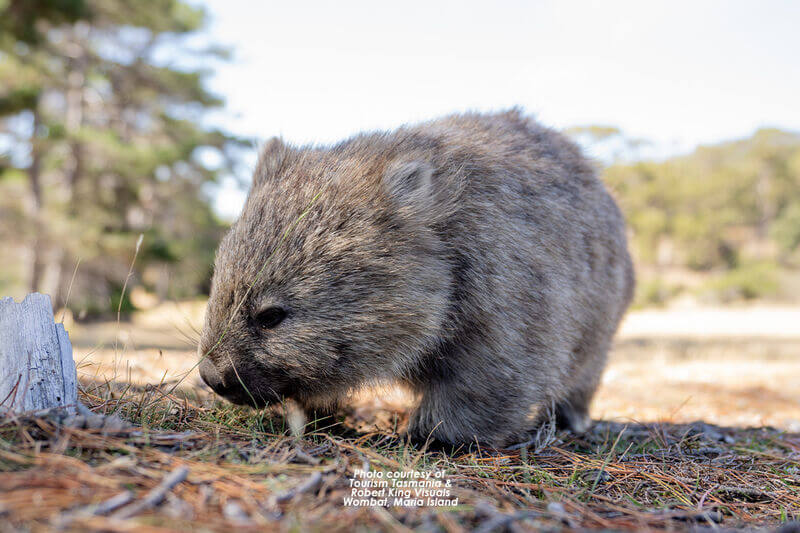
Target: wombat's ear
<point>270,160</point>
<point>409,184</point>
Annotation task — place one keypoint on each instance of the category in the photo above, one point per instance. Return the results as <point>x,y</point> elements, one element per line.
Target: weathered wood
<point>36,366</point>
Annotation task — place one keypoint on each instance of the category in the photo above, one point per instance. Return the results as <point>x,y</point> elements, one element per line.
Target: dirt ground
<point>736,366</point>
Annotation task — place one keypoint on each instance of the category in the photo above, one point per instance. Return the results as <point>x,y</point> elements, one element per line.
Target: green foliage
<point>18,99</point>
<point>121,300</point>
<point>654,292</point>
<point>23,19</point>
<point>786,229</point>
<point>107,134</point>
<point>747,282</point>
<point>159,248</point>
<point>730,210</point>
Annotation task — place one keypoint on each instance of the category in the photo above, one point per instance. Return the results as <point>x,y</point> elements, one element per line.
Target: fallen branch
<point>155,496</point>
<point>112,504</point>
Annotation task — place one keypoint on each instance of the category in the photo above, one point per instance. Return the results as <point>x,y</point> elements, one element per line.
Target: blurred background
<point>125,120</point>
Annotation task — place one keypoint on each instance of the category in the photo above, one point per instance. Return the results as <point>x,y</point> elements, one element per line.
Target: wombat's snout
<point>211,376</point>
<point>216,381</point>
<point>228,385</point>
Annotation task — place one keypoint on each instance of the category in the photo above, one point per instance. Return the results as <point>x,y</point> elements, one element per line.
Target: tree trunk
<point>73,121</point>
<point>36,366</point>
<point>38,247</point>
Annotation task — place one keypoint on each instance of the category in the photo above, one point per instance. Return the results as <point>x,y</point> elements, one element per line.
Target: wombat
<point>477,259</point>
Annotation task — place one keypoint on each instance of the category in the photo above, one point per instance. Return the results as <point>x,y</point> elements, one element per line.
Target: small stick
<point>113,503</point>
<point>307,486</point>
<point>752,492</point>
<point>64,520</point>
<point>299,453</point>
<point>497,520</point>
<point>155,496</point>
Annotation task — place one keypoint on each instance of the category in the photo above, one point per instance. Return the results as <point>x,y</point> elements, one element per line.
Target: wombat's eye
<point>270,317</point>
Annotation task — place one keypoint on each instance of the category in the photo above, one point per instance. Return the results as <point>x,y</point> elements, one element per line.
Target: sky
<point>678,73</point>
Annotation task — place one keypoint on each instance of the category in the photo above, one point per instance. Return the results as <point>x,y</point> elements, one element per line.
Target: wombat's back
<point>542,271</point>
<point>530,208</point>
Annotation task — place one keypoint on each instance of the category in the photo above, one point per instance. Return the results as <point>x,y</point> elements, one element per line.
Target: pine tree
<point>105,110</point>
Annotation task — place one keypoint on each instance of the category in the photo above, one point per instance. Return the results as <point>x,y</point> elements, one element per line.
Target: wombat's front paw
<point>573,419</point>
<point>416,431</point>
<point>427,428</point>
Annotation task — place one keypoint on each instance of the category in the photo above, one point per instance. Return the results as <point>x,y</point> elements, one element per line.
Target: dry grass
<point>244,470</point>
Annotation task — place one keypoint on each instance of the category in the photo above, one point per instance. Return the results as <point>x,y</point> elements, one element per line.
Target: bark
<point>39,245</point>
<point>73,120</point>
<point>36,366</point>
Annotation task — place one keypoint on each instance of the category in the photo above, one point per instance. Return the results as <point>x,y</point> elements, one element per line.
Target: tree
<point>730,209</point>
<point>104,111</point>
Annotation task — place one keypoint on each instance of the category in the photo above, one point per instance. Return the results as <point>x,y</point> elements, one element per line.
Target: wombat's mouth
<point>256,394</point>
<point>253,399</point>
<point>245,390</point>
<point>252,396</point>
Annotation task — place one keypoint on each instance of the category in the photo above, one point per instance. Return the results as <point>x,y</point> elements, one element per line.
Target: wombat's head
<point>331,278</point>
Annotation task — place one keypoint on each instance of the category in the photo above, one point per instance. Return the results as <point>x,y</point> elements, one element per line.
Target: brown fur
<point>476,258</point>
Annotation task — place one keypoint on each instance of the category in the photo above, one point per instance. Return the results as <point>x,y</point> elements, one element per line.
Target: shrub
<point>747,282</point>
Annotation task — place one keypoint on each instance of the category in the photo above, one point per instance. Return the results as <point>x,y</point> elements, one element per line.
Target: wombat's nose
<point>225,384</point>
<point>211,376</point>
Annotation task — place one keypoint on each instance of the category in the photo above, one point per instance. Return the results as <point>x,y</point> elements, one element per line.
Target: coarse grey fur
<point>476,259</point>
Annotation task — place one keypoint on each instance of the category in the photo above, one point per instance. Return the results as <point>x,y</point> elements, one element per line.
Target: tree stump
<point>37,371</point>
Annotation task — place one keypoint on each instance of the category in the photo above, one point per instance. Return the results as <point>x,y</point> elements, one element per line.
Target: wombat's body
<point>476,258</point>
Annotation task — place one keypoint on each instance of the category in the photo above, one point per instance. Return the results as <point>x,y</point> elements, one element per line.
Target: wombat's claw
<point>580,424</point>
<point>572,419</point>
<point>418,437</point>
